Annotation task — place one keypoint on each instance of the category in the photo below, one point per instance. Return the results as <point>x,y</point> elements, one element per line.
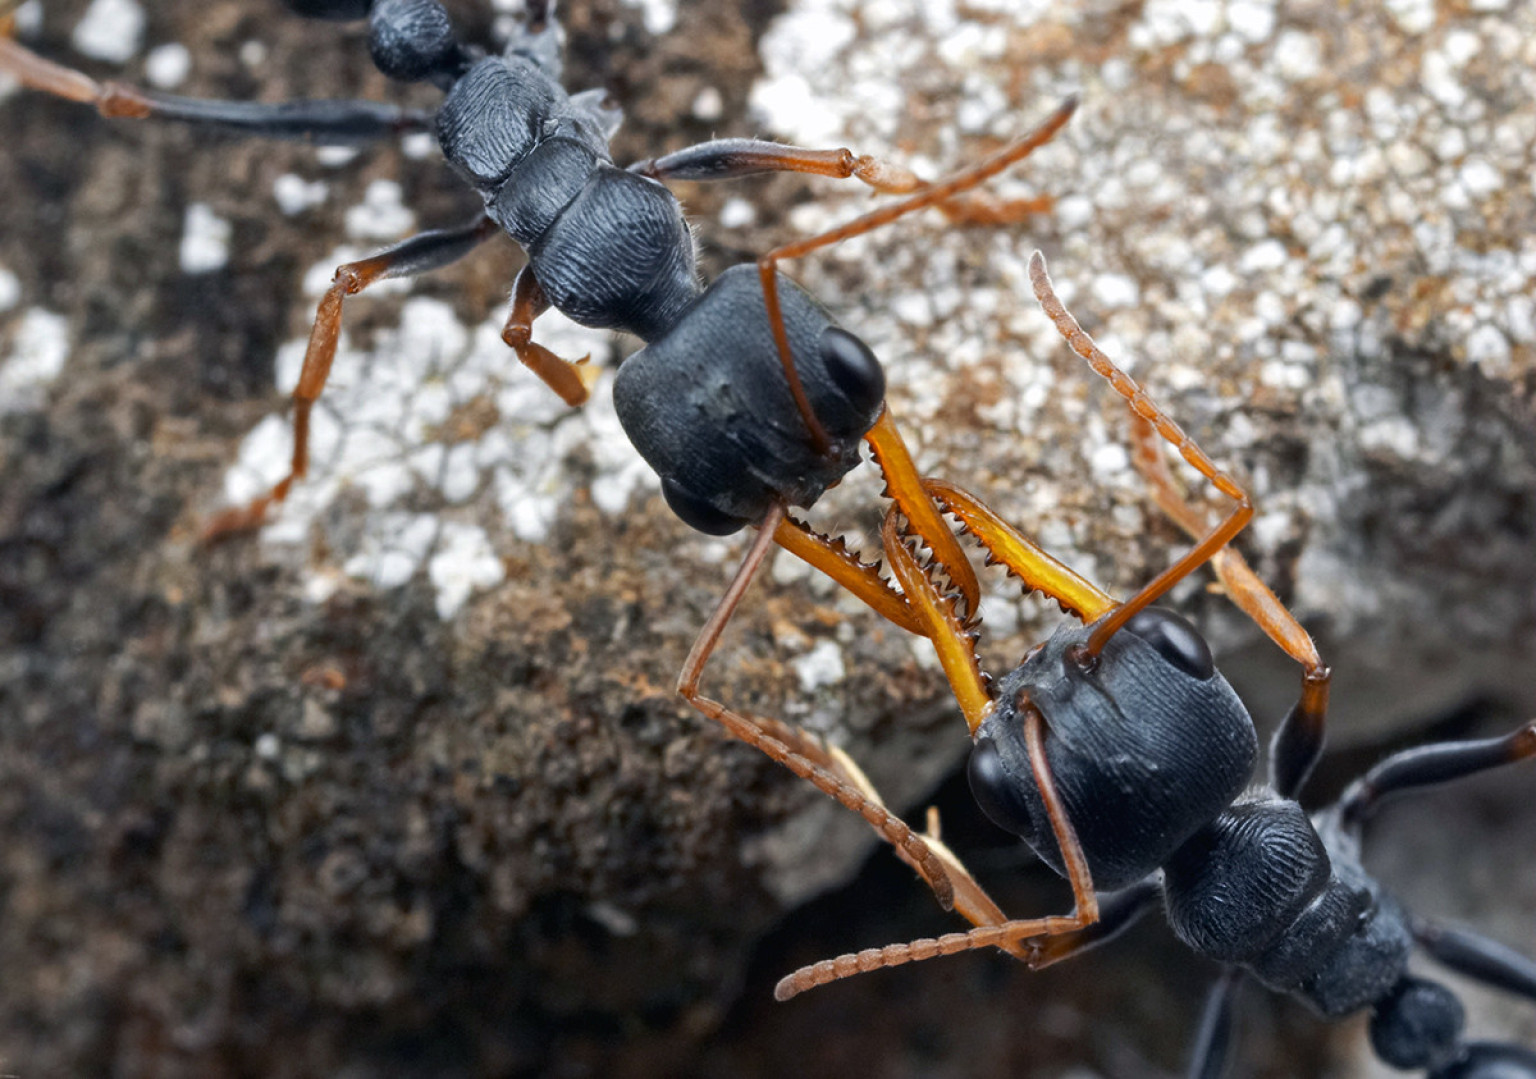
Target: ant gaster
<point>1120,754</point>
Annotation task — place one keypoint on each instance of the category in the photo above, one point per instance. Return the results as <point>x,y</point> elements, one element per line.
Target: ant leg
<point>1145,407</point>
<point>1213,1038</point>
<point>1298,741</point>
<point>1118,911</point>
<point>730,159</point>
<point>766,736</point>
<point>332,122</point>
<point>1427,766</point>
<point>419,254</point>
<point>932,195</point>
<point>1020,556</point>
<point>1477,957</point>
<point>999,935</point>
<point>572,381</point>
<point>833,558</point>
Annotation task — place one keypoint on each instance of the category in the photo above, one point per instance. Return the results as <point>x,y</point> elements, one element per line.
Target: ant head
<point>708,405</point>
<point>1146,743</point>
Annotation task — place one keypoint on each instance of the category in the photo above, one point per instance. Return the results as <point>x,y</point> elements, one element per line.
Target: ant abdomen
<point>720,363</point>
<point>1143,750</point>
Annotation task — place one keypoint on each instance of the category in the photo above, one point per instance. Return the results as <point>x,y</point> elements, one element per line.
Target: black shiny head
<point>1146,746</point>
<point>707,404</point>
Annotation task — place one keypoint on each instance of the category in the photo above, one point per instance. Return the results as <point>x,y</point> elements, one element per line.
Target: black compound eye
<point>1175,640</point>
<point>698,514</point>
<point>996,793</point>
<point>854,368</point>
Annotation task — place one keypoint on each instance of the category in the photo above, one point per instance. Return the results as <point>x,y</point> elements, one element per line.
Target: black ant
<point>1120,754</point>
<point>746,399</point>
<point>607,246</point>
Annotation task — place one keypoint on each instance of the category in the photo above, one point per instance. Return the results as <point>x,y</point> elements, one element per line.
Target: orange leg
<point>1000,935</point>
<point>944,192</point>
<point>1299,742</point>
<point>1147,409</point>
<point>572,381</point>
<point>767,737</point>
<point>427,251</point>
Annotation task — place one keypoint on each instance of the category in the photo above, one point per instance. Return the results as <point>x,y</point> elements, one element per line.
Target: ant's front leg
<point>1299,740</point>
<point>573,381</point>
<point>419,254</point>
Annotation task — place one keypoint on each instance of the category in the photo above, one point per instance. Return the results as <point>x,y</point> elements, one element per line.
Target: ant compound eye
<point>698,514</point>
<point>995,792</point>
<point>854,368</point>
<point>1175,640</point>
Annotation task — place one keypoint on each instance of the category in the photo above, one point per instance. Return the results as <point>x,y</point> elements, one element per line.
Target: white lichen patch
<point>204,240</point>
<point>167,66</point>
<point>822,666</point>
<point>10,290</point>
<point>434,451</point>
<point>34,357</point>
<point>110,30</point>
<point>1296,198</point>
<point>659,16</point>
<point>382,215</point>
<point>294,194</point>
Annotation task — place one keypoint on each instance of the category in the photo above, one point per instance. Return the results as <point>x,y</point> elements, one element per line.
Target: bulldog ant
<point>1120,754</point>
<point>746,398</point>
<point>607,246</point>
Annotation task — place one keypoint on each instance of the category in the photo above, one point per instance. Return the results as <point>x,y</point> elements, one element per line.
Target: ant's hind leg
<point>1213,1038</point>
<point>1298,742</point>
<point>1477,957</point>
<point>1428,766</point>
<point>323,121</point>
<point>417,255</point>
<point>572,381</point>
